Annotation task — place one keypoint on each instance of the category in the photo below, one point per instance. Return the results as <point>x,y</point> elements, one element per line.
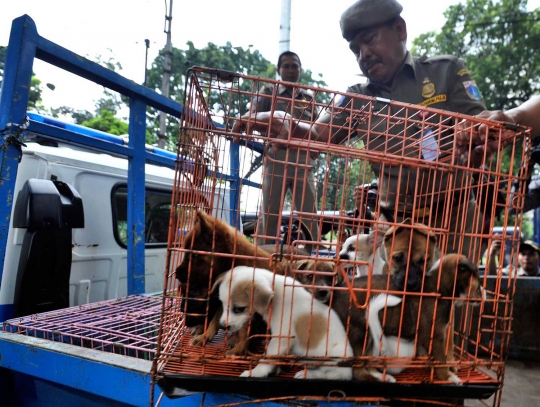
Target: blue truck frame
<point>38,372</point>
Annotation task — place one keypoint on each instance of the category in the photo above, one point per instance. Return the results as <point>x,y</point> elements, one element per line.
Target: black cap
<point>367,13</point>
<point>529,244</point>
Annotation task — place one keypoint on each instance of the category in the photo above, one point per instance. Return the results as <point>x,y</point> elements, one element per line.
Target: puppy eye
<point>421,260</point>
<point>310,277</point>
<point>398,258</point>
<point>238,310</point>
<point>350,249</point>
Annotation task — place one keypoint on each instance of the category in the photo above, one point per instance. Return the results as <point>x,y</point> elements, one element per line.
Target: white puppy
<point>364,248</point>
<point>389,346</point>
<point>299,324</point>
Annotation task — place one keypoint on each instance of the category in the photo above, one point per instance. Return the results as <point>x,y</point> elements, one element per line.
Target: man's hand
<point>495,248</point>
<point>475,146</point>
<point>273,125</point>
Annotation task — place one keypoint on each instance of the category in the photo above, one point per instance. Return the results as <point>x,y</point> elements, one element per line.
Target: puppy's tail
<point>376,304</point>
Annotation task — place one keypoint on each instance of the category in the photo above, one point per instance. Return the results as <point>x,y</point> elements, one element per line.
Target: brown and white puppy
<point>211,242</point>
<point>215,241</point>
<point>456,271</point>
<point>319,275</point>
<point>299,325</point>
<point>454,278</point>
<point>410,250</point>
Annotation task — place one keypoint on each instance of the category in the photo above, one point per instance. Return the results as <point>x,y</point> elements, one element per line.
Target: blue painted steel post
<point>234,182</point>
<point>13,105</point>
<point>136,198</point>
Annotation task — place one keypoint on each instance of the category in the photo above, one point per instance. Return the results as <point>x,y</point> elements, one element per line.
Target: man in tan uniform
<point>377,36</point>
<point>287,166</point>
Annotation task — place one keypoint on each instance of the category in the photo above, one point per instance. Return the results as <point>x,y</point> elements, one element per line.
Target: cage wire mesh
<point>388,170</point>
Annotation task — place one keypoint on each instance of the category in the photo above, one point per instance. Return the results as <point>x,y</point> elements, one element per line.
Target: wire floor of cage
<point>197,368</point>
<point>126,326</point>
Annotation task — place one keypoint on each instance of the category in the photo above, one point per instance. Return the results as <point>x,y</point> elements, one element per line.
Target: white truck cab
<point>97,267</point>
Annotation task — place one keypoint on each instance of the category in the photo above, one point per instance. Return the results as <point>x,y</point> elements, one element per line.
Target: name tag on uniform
<point>429,146</point>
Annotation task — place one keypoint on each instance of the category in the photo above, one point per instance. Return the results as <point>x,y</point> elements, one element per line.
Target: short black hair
<point>286,54</point>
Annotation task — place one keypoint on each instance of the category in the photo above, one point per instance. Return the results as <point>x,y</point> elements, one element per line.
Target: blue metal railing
<point>25,45</point>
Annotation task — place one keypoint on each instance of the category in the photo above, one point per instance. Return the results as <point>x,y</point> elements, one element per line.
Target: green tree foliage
<point>34,98</point>
<point>106,122</point>
<point>498,40</point>
<point>225,57</point>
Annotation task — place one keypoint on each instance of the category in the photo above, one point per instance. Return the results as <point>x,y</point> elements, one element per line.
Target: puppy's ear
<point>262,295</point>
<point>205,223</point>
<point>218,281</point>
<point>433,237</point>
<point>375,238</point>
<point>396,229</point>
<point>342,237</point>
<point>300,264</point>
<point>466,266</point>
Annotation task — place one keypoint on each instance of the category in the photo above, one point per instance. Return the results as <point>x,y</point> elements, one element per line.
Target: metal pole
<point>285,26</point>
<point>162,136</point>
<point>147,44</point>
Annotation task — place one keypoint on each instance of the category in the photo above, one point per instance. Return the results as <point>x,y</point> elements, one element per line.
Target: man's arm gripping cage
<point>433,209</point>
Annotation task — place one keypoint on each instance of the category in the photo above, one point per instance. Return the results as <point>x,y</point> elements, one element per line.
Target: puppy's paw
<point>261,370</point>
<point>454,379</point>
<point>387,378</point>
<point>198,340</point>
<point>300,374</point>
<point>197,330</point>
<point>236,351</point>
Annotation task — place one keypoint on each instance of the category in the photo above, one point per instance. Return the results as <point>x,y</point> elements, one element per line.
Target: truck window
<point>157,210</point>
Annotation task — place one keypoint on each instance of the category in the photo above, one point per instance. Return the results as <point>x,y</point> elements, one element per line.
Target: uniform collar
<point>522,272</point>
<point>282,89</point>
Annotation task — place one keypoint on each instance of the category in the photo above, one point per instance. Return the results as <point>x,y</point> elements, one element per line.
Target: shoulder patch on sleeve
<point>472,90</point>
<point>463,71</point>
<point>338,100</point>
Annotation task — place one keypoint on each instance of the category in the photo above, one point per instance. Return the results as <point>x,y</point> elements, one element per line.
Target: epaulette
<point>267,90</point>
<point>437,58</point>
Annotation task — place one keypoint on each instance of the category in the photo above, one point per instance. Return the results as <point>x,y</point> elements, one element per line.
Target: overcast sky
<point>90,28</point>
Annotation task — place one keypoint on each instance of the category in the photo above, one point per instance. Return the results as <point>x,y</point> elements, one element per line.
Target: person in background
<point>289,166</point>
<point>528,259</point>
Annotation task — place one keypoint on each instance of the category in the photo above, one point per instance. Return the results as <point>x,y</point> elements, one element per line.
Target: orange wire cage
<point>389,171</point>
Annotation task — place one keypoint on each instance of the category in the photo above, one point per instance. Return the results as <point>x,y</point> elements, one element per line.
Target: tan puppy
<point>453,277</point>
<point>410,250</point>
<point>299,325</point>
<point>197,273</point>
